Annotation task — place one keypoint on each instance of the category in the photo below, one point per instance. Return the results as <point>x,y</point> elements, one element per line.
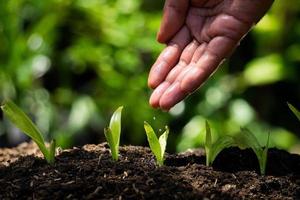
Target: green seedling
<point>157,145</point>
<point>246,139</point>
<point>294,110</point>
<point>113,133</point>
<point>23,122</point>
<point>213,149</point>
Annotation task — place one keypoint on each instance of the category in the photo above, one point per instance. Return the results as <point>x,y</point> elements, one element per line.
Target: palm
<point>210,31</point>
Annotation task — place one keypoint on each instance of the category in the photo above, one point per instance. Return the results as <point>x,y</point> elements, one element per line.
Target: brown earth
<point>89,173</point>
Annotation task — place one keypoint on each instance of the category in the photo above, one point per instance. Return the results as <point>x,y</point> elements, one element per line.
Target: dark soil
<point>89,173</point>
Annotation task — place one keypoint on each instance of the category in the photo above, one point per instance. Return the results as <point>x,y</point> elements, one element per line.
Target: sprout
<point>213,149</point>
<point>113,133</point>
<point>294,110</point>
<point>157,146</point>
<point>247,139</point>
<point>22,121</point>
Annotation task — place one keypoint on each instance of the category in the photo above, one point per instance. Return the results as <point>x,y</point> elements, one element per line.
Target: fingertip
<point>161,38</point>
<point>165,107</point>
<point>171,96</point>
<point>157,74</point>
<point>153,104</point>
<point>199,73</point>
<point>164,63</point>
<point>153,101</point>
<point>157,93</point>
<point>191,80</point>
<point>152,83</point>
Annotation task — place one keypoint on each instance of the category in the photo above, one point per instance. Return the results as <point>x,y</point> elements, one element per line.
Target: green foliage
<point>113,133</point>
<point>22,121</point>
<point>213,149</point>
<point>294,110</point>
<point>256,70</point>
<point>246,139</point>
<point>79,55</point>
<point>70,61</point>
<point>157,145</point>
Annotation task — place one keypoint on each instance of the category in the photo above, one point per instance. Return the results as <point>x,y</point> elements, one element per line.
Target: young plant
<point>157,145</point>
<point>247,139</point>
<point>213,149</point>
<point>294,110</point>
<point>22,121</point>
<point>113,133</point>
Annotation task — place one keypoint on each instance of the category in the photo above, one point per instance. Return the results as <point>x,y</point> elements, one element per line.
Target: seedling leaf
<point>153,141</point>
<point>111,143</point>
<point>207,145</point>
<point>246,139</point>
<point>163,142</point>
<point>264,158</point>
<point>222,143</point>
<point>23,122</point>
<point>213,149</point>
<point>294,110</point>
<point>157,146</point>
<point>115,125</point>
<point>52,151</point>
<point>113,133</point>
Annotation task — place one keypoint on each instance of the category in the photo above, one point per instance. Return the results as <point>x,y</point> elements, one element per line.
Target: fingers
<point>173,19</point>
<point>189,51</point>
<point>172,96</point>
<point>199,52</point>
<point>216,51</point>
<point>168,58</point>
<point>199,73</point>
<point>174,93</point>
<point>157,93</point>
<point>185,58</point>
<point>206,59</point>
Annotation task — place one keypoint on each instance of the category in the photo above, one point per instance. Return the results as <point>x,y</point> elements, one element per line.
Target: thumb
<point>173,19</point>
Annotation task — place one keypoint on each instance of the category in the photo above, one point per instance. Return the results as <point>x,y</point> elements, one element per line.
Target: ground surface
<point>89,173</point>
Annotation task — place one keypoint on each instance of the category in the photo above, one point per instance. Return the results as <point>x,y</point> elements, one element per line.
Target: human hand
<point>199,35</point>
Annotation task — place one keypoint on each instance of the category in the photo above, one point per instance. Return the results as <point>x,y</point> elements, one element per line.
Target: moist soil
<point>88,172</point>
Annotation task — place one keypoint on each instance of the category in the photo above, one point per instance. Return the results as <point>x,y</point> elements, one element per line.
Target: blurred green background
<point>70,64</point>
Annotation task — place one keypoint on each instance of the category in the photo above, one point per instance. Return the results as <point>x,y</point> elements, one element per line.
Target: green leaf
<point>113,133</point>
<point>153,142</point>
<point>157,146</point>
<point>115,125</point>
<point>294,110</point>
<point>264,158</point>
<point>207,144</point>
<point>22,121</point>
<point>109,137</point>
<point>246,139</point>
<point>163,143</point>
<point>213,149</point>
<point>52,151</point>
<point>222,143</point>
